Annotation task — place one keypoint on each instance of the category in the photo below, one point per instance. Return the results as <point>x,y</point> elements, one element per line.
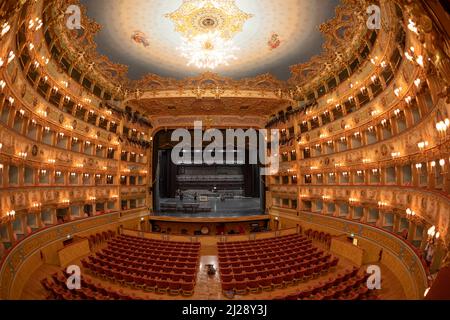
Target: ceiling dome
<point>272,36</point>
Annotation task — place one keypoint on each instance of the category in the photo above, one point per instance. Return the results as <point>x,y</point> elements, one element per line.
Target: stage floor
<point>219,209</point>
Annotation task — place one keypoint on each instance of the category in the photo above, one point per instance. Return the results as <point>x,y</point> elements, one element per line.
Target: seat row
<point>315,265</point>
<point>127,245</point>
<point>299,274</point>
<point>56,289</point>
<point>155,242</point>
<point>267,249</point>
<point>262,241</point>
<point>147,281</point>
<point>155,252</point>
<point>321,236</point>
<point>115,263</point>
<point>351,285</point>
<point>266,258</point>
<point>100,237</point>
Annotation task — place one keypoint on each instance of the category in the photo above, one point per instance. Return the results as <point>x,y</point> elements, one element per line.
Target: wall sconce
<point>5,28</point>
<point>433,164</point>
<point>11,215</point>
<point>397,91</point>
<point>419,60</point>
<point>375,171</point>
<point>408,99</point>
<point>58,173</point>
<point>433,234</point>
<point>412,26</point>
<point>442,162</point>
<point>374,79</point>
<point>443,125</point>
<point>422,145</point>
<point>22,155</point>
<point>417,82</point>
<point>395,154</point>
<point>11,57</point>
<point>2,84</point>
<point>418,166</point>
<point>51,161</point>
<point>383,64</point>
<point>410,214</point>
<point>382,204</point>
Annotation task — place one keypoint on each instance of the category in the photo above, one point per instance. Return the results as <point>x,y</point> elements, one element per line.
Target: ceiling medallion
<point>207,28</point>
<point>195,17</point>
<point>208,51</point>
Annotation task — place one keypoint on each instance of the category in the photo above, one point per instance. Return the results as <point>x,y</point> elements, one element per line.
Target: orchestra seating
<point>321,236</point>
<point>348,285</point>
<point>99,238</point>
<point>267,264</point>
<point>150,265</point>
<point>56,289</point>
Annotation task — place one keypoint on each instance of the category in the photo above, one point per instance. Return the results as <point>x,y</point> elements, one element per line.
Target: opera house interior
<point>224,150</point>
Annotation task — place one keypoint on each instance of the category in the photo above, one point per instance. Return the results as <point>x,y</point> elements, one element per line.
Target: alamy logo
<point>74,20</point>
<point>74,279</point>
<point>374,279</point>
<point>374,21</point>
<point>233,153</point>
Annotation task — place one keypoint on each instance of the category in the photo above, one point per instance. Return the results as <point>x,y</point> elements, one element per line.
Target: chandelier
<point>208,51</point>
<point>207,28</point>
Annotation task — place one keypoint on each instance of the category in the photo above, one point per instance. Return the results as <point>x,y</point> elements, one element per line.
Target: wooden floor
<point>209,287</point>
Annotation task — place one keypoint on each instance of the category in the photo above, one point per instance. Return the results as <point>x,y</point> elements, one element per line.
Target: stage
<point>212,208</point>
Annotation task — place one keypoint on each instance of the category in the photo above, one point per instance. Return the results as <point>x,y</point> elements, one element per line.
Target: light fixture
<point>11,56</point>
<point>408,99</point>
<point>412,26</point>
<point>5,28</point>
<point>207,28</point>
<point>417,82</point>
<point>208,51</point>
<point>422,145</point>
